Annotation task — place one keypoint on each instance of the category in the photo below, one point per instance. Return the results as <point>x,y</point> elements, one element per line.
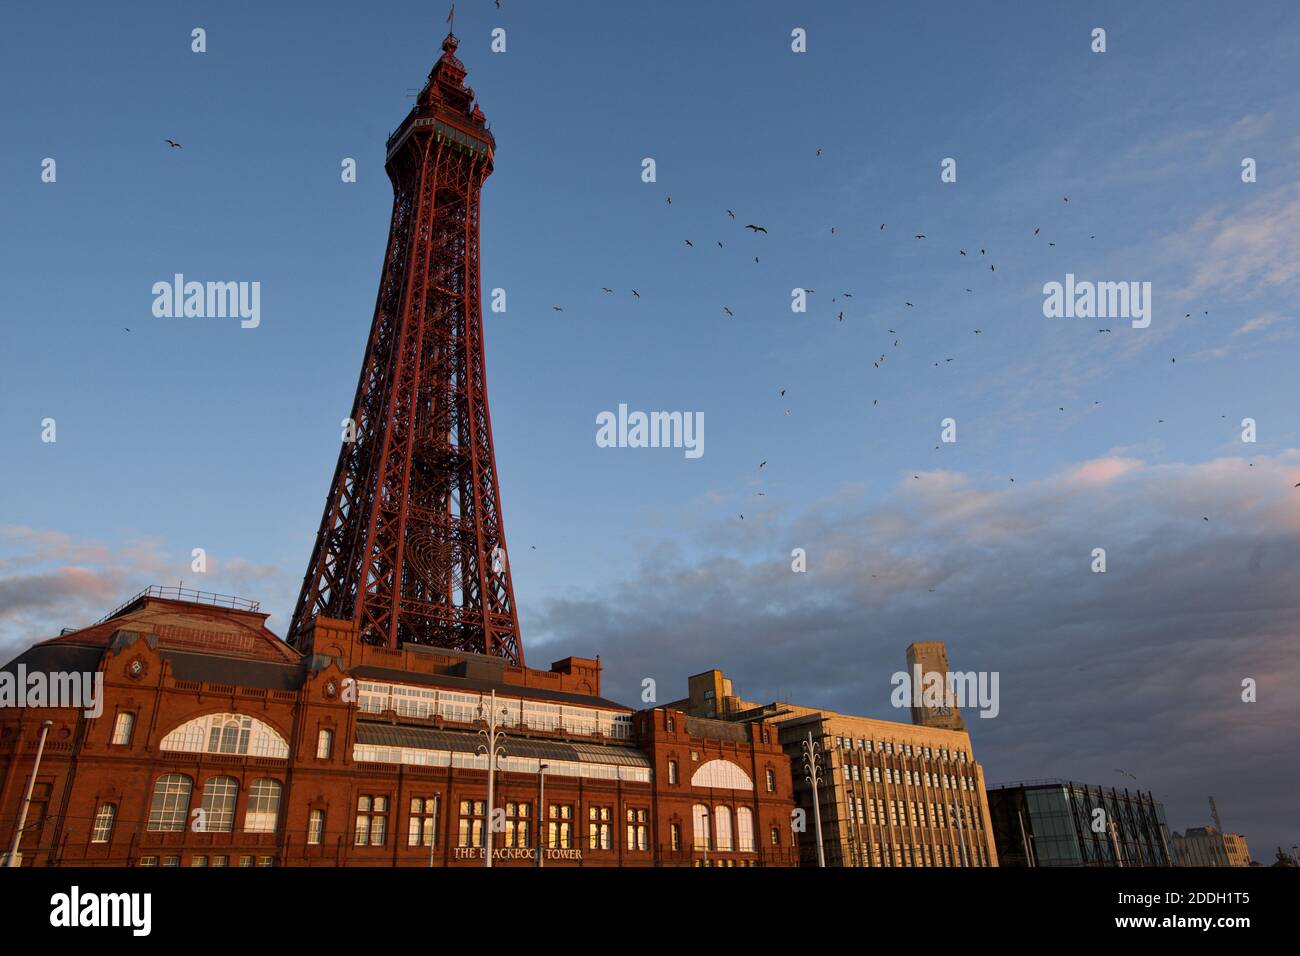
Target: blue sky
<point>196,433</point>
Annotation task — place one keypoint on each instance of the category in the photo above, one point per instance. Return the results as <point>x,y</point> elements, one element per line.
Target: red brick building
<point>220,745</point>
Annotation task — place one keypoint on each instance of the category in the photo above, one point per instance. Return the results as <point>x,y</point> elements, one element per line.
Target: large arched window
<point>219,796</point>
<point>721,775</point>
<point>745,830</point>
<point>700,814</point>
<point>722,817</point>
<point>263,806</point>
<point>227,734</point>
<point>171,803</point>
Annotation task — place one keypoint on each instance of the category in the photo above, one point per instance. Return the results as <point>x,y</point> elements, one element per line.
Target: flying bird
<point>841,316</point>
<point>636,293</point>
<point>755,228</point>
<point>1035,232</point>
<point>882,227</point>
<point>173,144</point>
<point>1125,773</point>
<point>962,251</point>
<point>557,308</point>
<point>731,214</point>
<point>691,244</point>
<point>762,463</point>
<point>728,311</point>
<point>719,244</point>
<point>783,392</point>
<point>920,235</point>
<point>819,152</point>
<point>670,200</point>
<point>604,289</point>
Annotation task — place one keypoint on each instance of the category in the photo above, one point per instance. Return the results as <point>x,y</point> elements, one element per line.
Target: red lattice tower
<point>411,547</point>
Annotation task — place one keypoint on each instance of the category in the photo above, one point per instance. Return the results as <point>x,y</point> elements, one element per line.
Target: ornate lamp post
<point>812,765</point>
<point>493,747</point>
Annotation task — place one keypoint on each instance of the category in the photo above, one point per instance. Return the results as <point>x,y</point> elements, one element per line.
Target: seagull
<point>882,227</point>
<point>1035,232</point>
<point>841,316</point>
<point>992,268</point>
<point>1205,519</point>
<point>173,144</point>
<point>731,214</point>
<point>533,546</point>
<point>920,235</point>
<point>691,244</point>
<point>557,308</point>
<point>783,392</point>
<point>1125,773</point>
<point>636,293</point>
<point>670,200</point>
<point>847,295</point>
<point>819,152</point>
<point>755,228</point>
<point>909,305</point>
<point>762,463</point>
<point>977,331</point>
<point>962,251</point>
<point>719,245</point>
<point>728,311</point>
<point>742,517</point>
<point>603,289</point>
<point>124,327</point>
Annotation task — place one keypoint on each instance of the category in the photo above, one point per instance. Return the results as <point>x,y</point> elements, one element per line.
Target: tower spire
<point>411,547</point>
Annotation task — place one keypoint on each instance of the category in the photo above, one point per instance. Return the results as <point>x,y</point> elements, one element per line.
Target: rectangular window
<point>315,827</point>
<point>472,815</point>
<point>672,772</point>
<point>148,861</point>
<point>420,826</point>
<point>676,834</point>
<point>517,823</point>
<point>198,861</point>
<point>372,820</point>
<point>122,728</point>
<point>560,827</point>
<point>104,818</point>
<point>637,830</point>
<point>171,861</point>
<point>324,744</point>
<point>771,781</point>
<point>220,860</point>
<point>245,860</point>
<point>265,860</point>
<point>599,828</point>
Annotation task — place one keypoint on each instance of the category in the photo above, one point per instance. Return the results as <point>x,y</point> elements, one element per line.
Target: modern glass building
<point>1063,823</point>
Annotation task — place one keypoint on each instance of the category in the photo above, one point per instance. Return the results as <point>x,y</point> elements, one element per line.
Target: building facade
<point>217,744</point>
<point>889,794</point>
<point>1057,823</point>
<point>1206,846</point>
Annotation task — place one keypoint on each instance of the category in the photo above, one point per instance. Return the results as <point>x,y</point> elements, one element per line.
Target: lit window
<point>171,861</point>
<point>472,815</point>
<point>219,796</point>
<point>516,833</point>
<point>675,831</point>
<point>419,830</point>
<point>104,818</point>
<point>745,830</point>
<point>220,860</point>
<point>774,835</point>
<point>372,820</point>
<point>324,744</point>
<point>722,817</point>
<point>198,861</point>
<point>122,729</point>
<point>771,780</point>
<point>246,860</point>
<point>316,827</point>
<point>637,831</point>
<point>598,828</point>
<point>702,837</point>
<point>171,804</point>
<point>560,835</point>
<point>148,861</point>
<point>672,772</point>
<point>263,807</point>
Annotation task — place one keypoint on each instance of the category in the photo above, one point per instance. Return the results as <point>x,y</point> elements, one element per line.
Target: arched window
<point>263,806</point>
<point>745,829</point>
<point>171,803</point>
<point>227,734</point>
<point>721,775</point>
<point>219,796</point>
<point>700,814</point>
<point>723,815</point>
<point>104,818</point>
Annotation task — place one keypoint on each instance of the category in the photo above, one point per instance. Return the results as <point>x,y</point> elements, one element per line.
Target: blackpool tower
<point>411,547</point>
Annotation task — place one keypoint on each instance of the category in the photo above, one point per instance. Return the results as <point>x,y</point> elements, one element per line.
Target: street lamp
<point>493,748</point>
<point>541,811</point>
<point>812,765</point>
<point>13,857</point>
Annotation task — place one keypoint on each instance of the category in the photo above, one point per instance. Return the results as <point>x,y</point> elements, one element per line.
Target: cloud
<point>1139,667</point>
<point>51,579</point>
<point>1246,251</point>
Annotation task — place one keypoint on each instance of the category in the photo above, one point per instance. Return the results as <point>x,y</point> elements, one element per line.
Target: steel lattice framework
<point>411,546</point>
